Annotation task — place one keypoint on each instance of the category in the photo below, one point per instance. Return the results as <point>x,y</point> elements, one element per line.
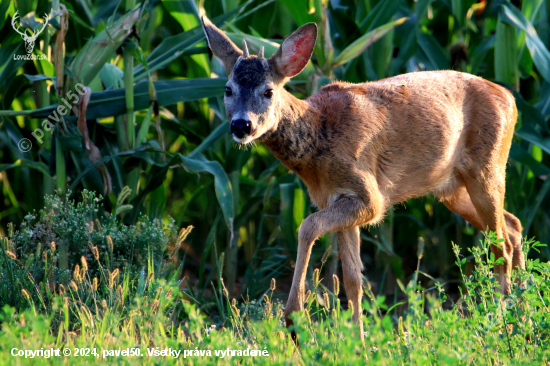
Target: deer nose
<point>240,128</point>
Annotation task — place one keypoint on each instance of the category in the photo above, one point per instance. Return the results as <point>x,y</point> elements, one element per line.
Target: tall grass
<point>156,122</point>
<point>150,318</point>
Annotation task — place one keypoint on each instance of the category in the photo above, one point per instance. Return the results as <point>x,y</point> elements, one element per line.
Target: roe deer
<point>361,148</point>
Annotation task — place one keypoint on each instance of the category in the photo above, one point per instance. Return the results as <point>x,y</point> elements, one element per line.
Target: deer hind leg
<point>487,194</point>
<point>349,244</point>
<point>513,226</point>
<point>459,202</point>
<point>347,212</point>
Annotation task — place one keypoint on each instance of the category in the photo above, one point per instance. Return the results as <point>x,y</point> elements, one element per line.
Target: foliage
<point>155,114</point>
<point>483,328</point>
<point>95,249</point>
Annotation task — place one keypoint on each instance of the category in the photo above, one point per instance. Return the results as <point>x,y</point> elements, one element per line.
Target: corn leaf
<point>433,51</point>
<point>539,52</point>
<point>112,102</point>
<point>361,44</point>
<point>100,49</point>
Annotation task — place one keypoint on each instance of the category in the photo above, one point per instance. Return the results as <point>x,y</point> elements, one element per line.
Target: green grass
<point>150,315</point>
<point>245,207</point>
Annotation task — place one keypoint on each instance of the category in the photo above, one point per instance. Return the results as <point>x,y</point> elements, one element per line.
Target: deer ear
<point>221,45</point>
<point>295,52</point>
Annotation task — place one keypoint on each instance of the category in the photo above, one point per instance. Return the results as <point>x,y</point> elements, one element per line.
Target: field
<point>133,227</point>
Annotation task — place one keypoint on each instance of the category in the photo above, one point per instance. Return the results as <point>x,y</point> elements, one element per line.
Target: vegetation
<point>150,120</point>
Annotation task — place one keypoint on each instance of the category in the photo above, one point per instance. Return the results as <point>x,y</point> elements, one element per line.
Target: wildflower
<point>10,254</point>
<point>104,304</point>
<point>273,284</point>
<point>94,283</point>
<point>53,246</point>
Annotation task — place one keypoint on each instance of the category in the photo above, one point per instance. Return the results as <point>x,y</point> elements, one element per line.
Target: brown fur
<point>361,148</point>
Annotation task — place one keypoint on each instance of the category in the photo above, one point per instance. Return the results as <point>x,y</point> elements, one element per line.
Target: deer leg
<point>459,202</point>
<point>349,244</point>
<point>513,226</point>
<point>345,213</point>
<point>487,195</point>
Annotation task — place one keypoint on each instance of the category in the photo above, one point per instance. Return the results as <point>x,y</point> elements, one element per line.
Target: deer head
<point>29,39</point>
<point>252,91</point>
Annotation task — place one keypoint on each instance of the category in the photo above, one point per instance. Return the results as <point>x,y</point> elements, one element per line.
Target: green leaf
<point>100,49</point>
<point>361,44</point>
<point>213,137</point>
<point>521,156</point>
<point>528,133</point>
<point>539,52</point>
<point>111,76</point>
<point>299,11</point>
<point>433,51</point>
<point>112,102</point>
<point>380,14</point>
<point>25,163</point>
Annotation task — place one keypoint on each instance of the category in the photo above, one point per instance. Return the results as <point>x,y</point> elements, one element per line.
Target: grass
<point>147,319</point>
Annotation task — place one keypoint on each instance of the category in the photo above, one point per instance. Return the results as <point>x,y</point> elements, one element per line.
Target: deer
<point>29,40</point>
<point>362,148</point>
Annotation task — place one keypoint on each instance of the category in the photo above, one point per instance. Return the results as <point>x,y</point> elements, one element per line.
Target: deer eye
<point>228,91</point>
<point>268,93</point>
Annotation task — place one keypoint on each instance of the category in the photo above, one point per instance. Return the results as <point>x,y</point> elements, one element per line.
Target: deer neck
<point>293,140</point>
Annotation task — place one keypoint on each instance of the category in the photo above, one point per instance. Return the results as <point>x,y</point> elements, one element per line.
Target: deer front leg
<point>347,212</point>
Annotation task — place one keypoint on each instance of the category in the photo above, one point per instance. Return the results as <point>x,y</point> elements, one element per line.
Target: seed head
<point>336,284</point>
<point>110,243</point>
<point>26,294</point>
<point>316,277</point>
<point>76,273</point>
<point>326,301</point>
<point>84,263</point>
<point>325,255</point>
<point>308,294</point>
<point>73,286</point>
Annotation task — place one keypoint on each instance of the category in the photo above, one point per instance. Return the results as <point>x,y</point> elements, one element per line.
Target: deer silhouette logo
<point>29,40</point>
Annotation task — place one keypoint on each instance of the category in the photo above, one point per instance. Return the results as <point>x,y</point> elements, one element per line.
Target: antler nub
<point>261,53</point>
<point>245,49</point>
